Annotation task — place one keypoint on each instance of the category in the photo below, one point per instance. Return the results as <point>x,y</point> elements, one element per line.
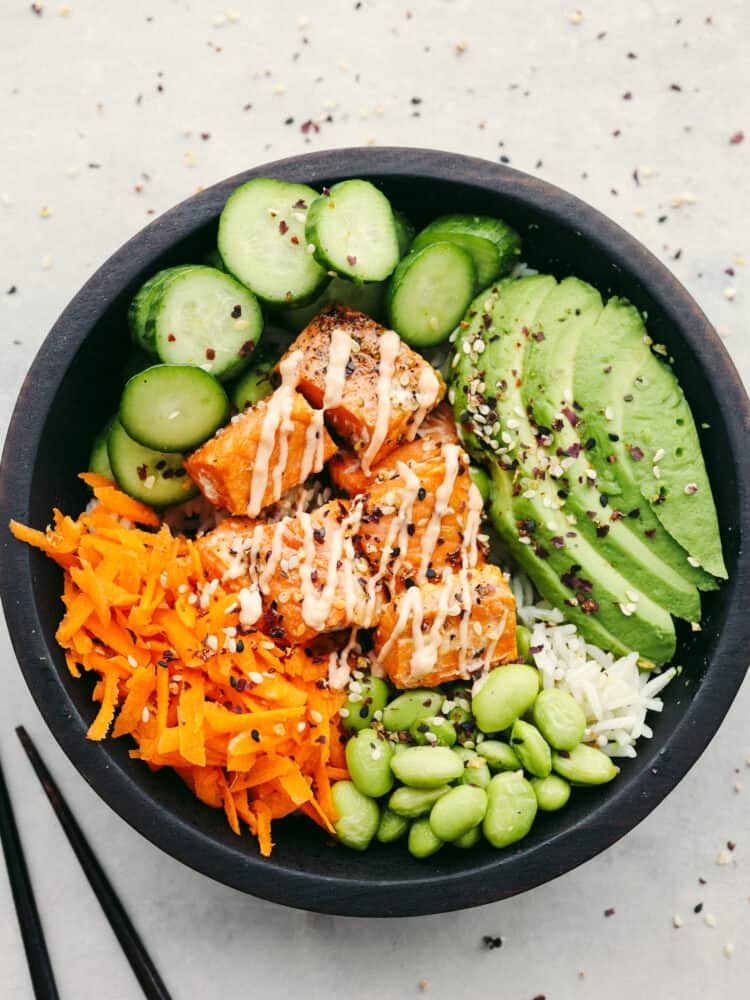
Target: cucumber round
<point>262,241</point>
<point>404,232</point>
<point>157,478</point>
<point>368,299</point>
<point>354,232</point>
<point>429,293</point>
<point>206,318</point>
<point>492,243</point>
<point>99,457</point>
<point>138,311</point>
<point>255,384</point>
<point>173,407</point>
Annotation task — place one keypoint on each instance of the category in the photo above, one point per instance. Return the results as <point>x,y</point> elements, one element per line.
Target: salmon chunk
<point>436,430</point>
<point>374,389</point>
<point>261,454</point>
<point>446,631</point>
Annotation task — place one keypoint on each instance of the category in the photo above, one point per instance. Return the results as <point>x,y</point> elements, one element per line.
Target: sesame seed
<point>709,919</point>
<point>255,677</point>
<point>728,949</point>
<point>677,921</point>
<point>145,714</point>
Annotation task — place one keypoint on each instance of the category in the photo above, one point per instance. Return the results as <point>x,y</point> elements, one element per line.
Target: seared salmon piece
<point>308,570</point>
<point>447,631</point>
<point>375,390</point>
<point>261,454</point>
<point>437,429</point>
<point>412,528</point>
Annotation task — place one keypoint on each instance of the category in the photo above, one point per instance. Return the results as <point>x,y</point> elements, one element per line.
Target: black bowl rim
<point>361,897</point>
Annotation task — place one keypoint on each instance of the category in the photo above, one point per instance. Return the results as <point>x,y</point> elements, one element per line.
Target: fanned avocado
<point>623,386</point>
<point>567,568</point>
<point>568,323</point>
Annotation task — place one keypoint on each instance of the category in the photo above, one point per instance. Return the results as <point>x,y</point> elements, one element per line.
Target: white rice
<point>614,693</point>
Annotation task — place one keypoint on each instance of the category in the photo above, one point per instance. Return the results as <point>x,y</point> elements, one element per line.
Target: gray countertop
<point>113,112</point>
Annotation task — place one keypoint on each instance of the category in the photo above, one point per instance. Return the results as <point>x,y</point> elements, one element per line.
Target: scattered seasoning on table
<point>677,921</point>
<point>737,138</point>
<point>698,907</point>
<point>491,943</point>
<point>609,912</point>
<point>424,985</point>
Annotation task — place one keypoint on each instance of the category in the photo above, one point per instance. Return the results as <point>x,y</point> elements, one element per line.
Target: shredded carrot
<point>169,677</point>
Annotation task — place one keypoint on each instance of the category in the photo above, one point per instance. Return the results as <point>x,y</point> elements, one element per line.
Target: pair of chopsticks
<point>40,967</point>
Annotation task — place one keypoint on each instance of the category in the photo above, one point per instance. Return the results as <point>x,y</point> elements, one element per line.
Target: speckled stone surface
<point>113,112</point>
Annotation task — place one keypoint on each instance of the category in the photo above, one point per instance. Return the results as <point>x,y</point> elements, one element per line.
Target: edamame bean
<point>481,480</point>
<point>499,755</point>
<point>584,765</point>
<point>511,808</point>
<point>551,792</point>
<point>359,816</point>
<point>436,726</point>
<point>506,694</point>
<point>559,718</point>
<point>458,812</point>
<point>532,749</point>
<point>476,771</point>
<point>362,705</point>
<point>470,839</point>
<point>368,757</point>
<point>414,802</point>
<point>427,767</point>
<point>409,707</point>
<point>523,641</point>
<point>391,827</point>
<point>422,840</point>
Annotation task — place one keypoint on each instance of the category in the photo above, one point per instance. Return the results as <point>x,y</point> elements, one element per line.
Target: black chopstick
<point>37,956</point>
<point>135,951</point>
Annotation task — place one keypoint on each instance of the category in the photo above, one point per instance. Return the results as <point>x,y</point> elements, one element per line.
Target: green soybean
<point>584,765</point>
<point>470,839</point>
<point>437,726</point>
<point>532,749</point>
<point>476,770</point>
<point>511,808</point>
<point>362,705</point>
<point>409,707</point>
<point>523,641</point>
<point>422,840</point>
<point>552,792</point>
<point>559,718</point>
<point>392,827</point>
<point>413,802</point>
<point>499,755</point>
<point>506,694</point>
<point>458,812</point>
<point>368,758</point>
<point>427,767</point>
<point>359,816</point>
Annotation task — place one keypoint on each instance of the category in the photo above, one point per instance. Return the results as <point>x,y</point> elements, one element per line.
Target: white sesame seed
<point>255,677</point>
<point>46,262</point>
<point>301,726</point>
<point>677,921</point>
<point>659,455</point>
<point>709,919</point>
<point>145,714</point>
<point>632,595</point>
<point>315,716</point>
<point>730,293</point>
<point>212,642</point>
<point>344,713</point>
<point>728,949</point>
<point>693,561</point>
<point>723,857</point>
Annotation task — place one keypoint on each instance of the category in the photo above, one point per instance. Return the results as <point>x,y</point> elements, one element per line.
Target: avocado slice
<point>621,386</point>
<point>569,321</point>
<point>607,609</point>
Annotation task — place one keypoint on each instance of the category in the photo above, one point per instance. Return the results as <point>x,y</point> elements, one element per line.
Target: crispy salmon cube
<point>261,454</point>
<point>376,390</point>
<point>437,429</point>
<point>474,629</point>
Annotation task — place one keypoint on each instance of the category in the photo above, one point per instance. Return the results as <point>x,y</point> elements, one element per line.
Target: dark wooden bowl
<point>70,391</point>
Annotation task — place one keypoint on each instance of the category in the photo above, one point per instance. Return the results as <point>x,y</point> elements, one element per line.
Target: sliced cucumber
<point>404,232</point>
<point>354,232</point>
<point>494,246</point>
<point>262,241</point>
<point>429,293</point>
<point>256,383</point>
<point>153,477</point>
<point>206,318</point>
<point>173,407</point>
<point>368,299</point>
<point>140,306</point>
<point>99,458</point>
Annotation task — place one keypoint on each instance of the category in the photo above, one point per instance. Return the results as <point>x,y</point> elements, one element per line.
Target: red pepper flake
<point>737,138</point>
<point>602,531</point>
<point>558,541</point>
<point>210,353</point>
<point>326,191</point>
<point>294,240</point>
<point>236,312</point>
<point>650,533</point>
<point>635,453</point>
<point>676,87</point>
<point>142,471</point>
<point>171,338</point>
<point>247,107</point>
<point>731,845</point>
<point>205,136</point>
<point>573,418</point>
<point>246,348</point>
<point>627,96</point>
<point>609,912</point>
<point>305,127</point>
<point>283,227</point>
<point>300,203</point>
<point>351,260</point>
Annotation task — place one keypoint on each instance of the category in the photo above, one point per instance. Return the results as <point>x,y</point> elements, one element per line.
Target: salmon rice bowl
<point>386,528</point>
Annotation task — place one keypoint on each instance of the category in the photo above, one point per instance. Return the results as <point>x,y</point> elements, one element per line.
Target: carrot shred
<point>137,616</point>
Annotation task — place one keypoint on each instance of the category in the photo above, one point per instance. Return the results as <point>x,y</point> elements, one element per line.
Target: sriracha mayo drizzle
<point>389,345</point>
<point>278,410</point>
<point>428,390</point>
<point>442,501</point>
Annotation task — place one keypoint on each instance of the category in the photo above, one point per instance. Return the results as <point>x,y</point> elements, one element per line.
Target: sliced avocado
<point>622,387</point>
<point>606,607</point>
<point>567,323</point>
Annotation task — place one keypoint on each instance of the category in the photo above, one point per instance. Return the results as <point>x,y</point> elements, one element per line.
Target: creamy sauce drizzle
<point>389,344</point>
<point>442,501</point>
<point>428,390</point>
<point>278,410</point>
